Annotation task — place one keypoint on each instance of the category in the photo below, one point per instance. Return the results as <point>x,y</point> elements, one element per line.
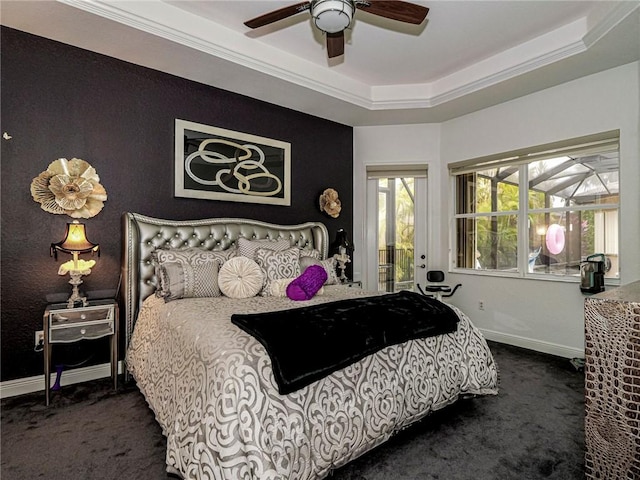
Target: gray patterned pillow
<point>247,248</point>
<point>188,265</point>
<point>310,252</point>
<point>329,265</point>
<point>277,265</point>
<point>192,254</point>
<point>188,280</point>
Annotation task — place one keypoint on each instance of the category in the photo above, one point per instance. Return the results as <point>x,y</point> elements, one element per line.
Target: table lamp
<point>75,242</point>
<point>342,249</point>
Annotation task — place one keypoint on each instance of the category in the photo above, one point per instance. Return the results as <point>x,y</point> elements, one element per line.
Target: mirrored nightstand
<point>67,325</point>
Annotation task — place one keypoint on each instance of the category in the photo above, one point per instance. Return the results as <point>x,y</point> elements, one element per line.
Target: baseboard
<point>536,345</point>
<point>20,386</point>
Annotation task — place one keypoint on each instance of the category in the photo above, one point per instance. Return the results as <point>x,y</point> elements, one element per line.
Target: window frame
<point>601,142</point>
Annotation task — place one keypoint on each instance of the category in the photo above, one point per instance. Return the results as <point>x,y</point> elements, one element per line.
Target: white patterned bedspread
<point>212,390</point>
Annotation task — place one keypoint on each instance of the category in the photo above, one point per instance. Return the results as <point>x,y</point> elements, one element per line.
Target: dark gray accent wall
<point>59,101</point>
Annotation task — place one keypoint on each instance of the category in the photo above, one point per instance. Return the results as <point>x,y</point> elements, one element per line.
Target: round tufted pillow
<point>240,277</point>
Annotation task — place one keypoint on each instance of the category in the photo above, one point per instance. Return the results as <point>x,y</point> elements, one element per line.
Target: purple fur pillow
<point>307,285</point>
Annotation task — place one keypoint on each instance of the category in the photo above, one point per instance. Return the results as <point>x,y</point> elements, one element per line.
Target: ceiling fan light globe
<point>332,16</point>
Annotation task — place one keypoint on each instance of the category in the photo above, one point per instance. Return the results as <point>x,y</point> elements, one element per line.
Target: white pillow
<point>240,277</point>
<point>278,288</point>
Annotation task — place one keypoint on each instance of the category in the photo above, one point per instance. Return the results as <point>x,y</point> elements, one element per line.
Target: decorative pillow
<point>278,288</point>
<point>310,252</point>
<point>240,277</point>
<point>308,284</point>
<point>329,265</point>
<point>191,255</point>
<point>277,265</point>
<point>224,255</point>
<point>169,283</point>
<point>247,248</point>
<point>188,280</point>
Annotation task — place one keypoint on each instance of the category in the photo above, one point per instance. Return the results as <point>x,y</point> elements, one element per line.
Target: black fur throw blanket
<point>308,343</point>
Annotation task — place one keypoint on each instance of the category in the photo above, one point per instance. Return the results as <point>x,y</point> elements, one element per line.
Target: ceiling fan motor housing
<point>332,16</point>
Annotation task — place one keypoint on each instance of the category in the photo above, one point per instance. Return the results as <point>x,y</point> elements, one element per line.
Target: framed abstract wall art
<point>217,164</point>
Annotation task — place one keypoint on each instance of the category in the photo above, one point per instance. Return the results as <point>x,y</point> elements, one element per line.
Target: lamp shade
<point>74,241</point>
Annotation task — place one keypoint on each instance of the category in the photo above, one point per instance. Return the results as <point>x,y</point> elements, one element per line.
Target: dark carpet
<point>534,429</point>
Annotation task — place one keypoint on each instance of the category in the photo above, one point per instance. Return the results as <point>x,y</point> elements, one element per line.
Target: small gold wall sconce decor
<point>330,203</point>
<point>70,187</point>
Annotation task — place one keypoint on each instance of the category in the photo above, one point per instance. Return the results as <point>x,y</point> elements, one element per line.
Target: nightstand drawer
<point>63,325</point>
<point>79,331</point>
<point>68,317</point>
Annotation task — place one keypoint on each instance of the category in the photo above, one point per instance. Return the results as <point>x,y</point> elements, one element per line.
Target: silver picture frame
<point>213,163</point>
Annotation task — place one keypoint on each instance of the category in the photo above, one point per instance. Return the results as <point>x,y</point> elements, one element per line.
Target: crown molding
<point>183,28</point>
<point>611,21</point>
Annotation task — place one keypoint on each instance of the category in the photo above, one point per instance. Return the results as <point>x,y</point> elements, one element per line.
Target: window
<point>539,211</point>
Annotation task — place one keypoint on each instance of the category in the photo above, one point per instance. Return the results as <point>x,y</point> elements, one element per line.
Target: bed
<point>211,382</point>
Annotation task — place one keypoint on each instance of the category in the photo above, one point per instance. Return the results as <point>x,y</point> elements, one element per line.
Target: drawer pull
<point>83,331</point>
<point>83,316</point>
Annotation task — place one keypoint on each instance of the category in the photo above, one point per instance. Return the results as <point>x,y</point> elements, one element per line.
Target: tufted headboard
<point>142,234</point>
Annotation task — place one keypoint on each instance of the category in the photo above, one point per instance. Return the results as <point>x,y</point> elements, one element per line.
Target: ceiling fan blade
<point>395,10</point>
<point>276,15</point>
<point>335,44</point>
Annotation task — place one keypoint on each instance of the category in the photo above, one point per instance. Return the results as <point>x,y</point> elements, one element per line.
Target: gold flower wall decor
<point>70,187</point>
<point>330,203</point>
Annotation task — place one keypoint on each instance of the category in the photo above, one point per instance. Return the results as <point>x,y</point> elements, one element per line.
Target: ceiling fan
<point>334,16</point>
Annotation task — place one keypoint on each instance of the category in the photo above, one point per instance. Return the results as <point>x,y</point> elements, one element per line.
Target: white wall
<point>387,145</point>
<point>542,315</point>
